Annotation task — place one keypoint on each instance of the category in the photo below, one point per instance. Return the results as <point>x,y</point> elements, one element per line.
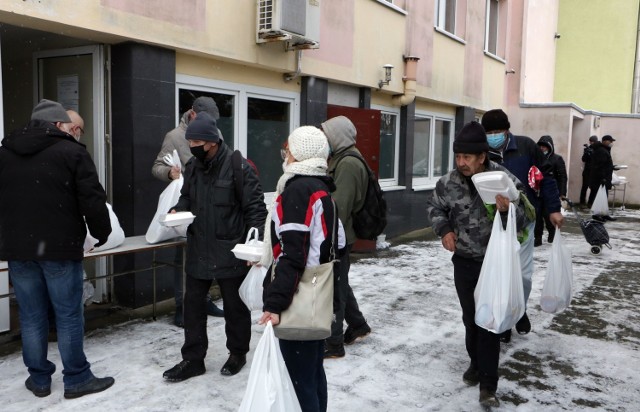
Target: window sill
<point>392,188</point>
<point>495,57</point>
<point>450,35</point>
<point>422,188</point>
<point>391,6</point>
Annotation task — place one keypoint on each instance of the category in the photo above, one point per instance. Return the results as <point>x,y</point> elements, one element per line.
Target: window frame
<point>442,6</point>
<point>500,30</point>
<point>242,93</point>
<point>391,183</point>
<point>429,182</point>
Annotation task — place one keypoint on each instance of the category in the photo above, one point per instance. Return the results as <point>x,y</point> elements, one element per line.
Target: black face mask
<point>198,152</point>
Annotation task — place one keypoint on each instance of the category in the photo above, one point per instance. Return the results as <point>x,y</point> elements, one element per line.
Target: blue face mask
<point>496,140</point>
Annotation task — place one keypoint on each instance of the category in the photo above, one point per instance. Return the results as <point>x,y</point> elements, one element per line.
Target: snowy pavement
<point>587,357</point>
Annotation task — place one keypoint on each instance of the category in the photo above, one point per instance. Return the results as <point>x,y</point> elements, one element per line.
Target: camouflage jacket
<point>456,206</point>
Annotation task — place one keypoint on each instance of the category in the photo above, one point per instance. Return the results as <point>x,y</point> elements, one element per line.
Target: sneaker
<point>177,318</point>
<point>505,337</point>
<point>184,370</point>
<point>94,385</point>
<point>524,325</point>
<point>39,391</point>
<point>488,398</point>
<point>351,334</point>
<point>233,365</point>
<point>332,351</point>
<point>471,376</point>
<point>213,310</point>
<point>537,242</point>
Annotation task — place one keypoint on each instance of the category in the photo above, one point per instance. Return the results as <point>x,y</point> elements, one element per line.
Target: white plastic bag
<point>158,232</point>
<point>499,294</point>
<point>269,388</point>
<point>251,288</point>
<point>556,292</point>
<point>600,204</point>
<point>115,239</point>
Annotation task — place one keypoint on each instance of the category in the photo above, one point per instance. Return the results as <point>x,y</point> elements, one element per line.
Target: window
<point>431,149</point>
<point>389,146</point>
<point>494,40</point>
<point>446,13</point>
<point>254,120</point>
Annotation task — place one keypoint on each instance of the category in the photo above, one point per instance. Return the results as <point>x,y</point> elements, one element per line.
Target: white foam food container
<point>490,184</point>
<point>177,219</point>
<point>251,252</point>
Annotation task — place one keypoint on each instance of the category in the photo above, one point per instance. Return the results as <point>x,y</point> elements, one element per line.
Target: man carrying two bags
<point>464,224</point>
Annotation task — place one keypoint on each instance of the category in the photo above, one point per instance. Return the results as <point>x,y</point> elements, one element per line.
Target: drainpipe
<point>635,95</point>
<point>409,79</point>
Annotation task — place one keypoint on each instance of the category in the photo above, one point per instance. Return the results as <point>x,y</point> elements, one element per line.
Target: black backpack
<point>370,221</point>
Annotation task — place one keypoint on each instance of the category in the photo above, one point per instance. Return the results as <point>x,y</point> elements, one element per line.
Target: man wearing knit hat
<point>50,189</point>
<point>350,177</point>
<point>459,217</point>
<point>222,221</point>
<point>519,154</point>
<point>175,140</point>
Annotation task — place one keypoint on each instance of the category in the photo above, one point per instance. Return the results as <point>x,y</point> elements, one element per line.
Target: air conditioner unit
<point>296,22</point>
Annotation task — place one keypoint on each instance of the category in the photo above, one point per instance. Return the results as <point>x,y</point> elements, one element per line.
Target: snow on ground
<point>584,358</point>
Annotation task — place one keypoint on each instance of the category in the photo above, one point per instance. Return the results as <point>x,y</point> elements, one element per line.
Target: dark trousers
<point>348,309</point>
<point>483,346</point>
<point>542,220</point>
<point>237,317</point>
<point>304,364</point>
<point>583,189</point>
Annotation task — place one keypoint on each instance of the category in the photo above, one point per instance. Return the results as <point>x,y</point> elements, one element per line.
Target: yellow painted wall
<point>595,54</point>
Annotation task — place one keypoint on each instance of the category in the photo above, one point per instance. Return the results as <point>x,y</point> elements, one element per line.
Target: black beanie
<point>495,119</point>
<point>471,139</point>
<point>203,127</point>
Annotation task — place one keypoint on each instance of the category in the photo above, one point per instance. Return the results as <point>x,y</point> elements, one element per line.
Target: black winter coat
<point>601,166</point>
<point>221,220</point>
<point>48,188</point>
<point>558,167</point>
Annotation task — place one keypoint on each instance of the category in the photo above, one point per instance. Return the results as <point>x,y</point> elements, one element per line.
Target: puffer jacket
<point>49,187</point>
<point>558,167</point>
<point>455,206</point>
<point>518,156</point>
<point>221,220</point>
<point>302,231</point>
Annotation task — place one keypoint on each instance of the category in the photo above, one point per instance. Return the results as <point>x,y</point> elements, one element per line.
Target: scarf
<point>310,167</point>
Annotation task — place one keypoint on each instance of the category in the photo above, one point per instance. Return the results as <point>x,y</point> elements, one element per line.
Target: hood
<point>340,132</point>
<point>547,141</point>
<point>35,137</point>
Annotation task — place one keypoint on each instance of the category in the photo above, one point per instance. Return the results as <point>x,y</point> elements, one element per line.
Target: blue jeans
<point>526,262</point>
<point>35,284</point>
<point>304,360</point>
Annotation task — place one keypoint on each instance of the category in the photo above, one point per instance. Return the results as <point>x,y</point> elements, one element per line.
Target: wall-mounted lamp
<point>556,36</point>
<point>387,75</point>
<point>510,71</point>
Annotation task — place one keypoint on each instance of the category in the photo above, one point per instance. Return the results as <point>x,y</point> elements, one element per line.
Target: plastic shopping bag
<point>158,232</point>
<point>600,204</point>
<point>269,388</point>
<point>556,292</point>
<point>251,288</point>
<point>115,239</point>
<point>499,294</point>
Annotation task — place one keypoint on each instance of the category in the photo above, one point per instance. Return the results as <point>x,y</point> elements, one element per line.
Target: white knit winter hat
<point>308,142</point>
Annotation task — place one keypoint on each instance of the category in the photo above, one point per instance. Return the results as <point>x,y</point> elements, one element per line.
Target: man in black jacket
<point>601,167</point>
<point>559,172</point>
<point>222,220</point>
<point>586,169</point>
<point>49,188</point>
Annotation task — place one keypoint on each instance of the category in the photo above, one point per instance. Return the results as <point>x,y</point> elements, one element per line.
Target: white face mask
<point>284,165</point>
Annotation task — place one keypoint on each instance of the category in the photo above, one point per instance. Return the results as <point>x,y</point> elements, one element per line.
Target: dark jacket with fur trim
<point>221,220</point>
<point>48,188</point>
